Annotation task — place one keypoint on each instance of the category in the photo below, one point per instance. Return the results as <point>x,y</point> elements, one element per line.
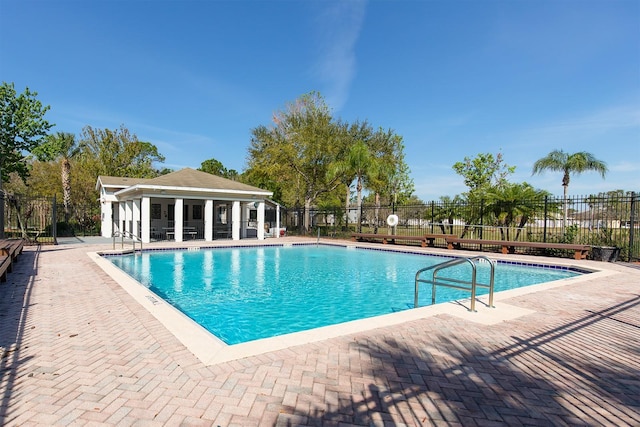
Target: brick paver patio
<point>78,350</point>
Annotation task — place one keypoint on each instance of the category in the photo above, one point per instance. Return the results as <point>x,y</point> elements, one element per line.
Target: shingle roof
<point>186,178</point>
<point>192,178</point>
<point>118,181</point>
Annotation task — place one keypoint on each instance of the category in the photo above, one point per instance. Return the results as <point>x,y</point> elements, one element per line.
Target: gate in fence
<point>27,217</point>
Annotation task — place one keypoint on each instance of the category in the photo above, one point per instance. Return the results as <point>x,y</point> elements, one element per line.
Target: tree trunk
<point>14,201</point>
<point>346,204</point>
<point>66,188</point>
<point>359,201</point>
<point>566,208</point>
<point>307,214</point>
<point>523,222</point>
<point>376,215</point>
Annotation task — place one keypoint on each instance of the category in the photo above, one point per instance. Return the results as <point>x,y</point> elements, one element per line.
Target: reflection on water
<point>260,268</point>
<point>178,271</point>
<point>207,270</point>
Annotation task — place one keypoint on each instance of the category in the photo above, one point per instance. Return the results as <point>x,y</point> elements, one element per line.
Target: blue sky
<point>454,78</point>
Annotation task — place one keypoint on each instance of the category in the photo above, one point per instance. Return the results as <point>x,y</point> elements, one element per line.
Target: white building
<point>187,204</point>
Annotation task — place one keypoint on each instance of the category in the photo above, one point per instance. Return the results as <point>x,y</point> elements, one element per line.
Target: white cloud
<point>625,166</point>
<point>594,126</point>
<point>338,29</point>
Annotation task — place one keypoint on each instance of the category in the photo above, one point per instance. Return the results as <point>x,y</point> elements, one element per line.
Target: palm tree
<point>568,164</point>
<point>448,209</point>
<point>512,205</point>
<point>63,146</point>
<point>359,163</point>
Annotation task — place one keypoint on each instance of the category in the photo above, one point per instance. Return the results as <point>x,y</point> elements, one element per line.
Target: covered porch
<point>183,205</point>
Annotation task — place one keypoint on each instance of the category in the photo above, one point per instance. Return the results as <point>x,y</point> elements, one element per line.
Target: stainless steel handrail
<point>122,234</point>
<point>456,283</point>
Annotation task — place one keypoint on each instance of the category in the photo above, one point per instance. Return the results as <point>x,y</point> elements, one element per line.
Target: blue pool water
<point>243,294</point>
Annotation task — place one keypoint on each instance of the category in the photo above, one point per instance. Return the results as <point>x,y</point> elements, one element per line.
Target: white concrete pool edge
<point>196,338</point>
<point>210,350</point>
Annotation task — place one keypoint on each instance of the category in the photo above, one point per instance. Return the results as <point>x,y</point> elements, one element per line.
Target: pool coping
<point>210,350</point>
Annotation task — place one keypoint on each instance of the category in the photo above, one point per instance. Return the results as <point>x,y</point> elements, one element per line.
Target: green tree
<point>62,146</point>
<point>357,162</point>
<point>392,180</point>
<point>512,205</point>
<point>568,164</point>
<point>447,209</point>
<point>483,171</point>
<point>296,152</point>
<point>119,153</point>
<point>22,128</point>
<point>215,167</point>
<point>259,177</point>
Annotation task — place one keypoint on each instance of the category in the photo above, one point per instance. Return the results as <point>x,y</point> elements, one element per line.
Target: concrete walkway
<point>79,350</point>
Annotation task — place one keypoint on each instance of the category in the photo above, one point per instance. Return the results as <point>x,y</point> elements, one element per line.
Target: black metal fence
<point>78,220</point>
<point>31,218</point>
<point>610,220</point>
<point>42,220</point>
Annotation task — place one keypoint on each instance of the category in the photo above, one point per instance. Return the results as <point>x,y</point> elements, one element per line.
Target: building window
<point>155,211</point>
<point>197,211</point>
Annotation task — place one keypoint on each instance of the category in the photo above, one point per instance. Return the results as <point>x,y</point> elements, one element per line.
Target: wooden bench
<point>5,267</point>
<point>509,247</point>
<point>11,248</point>
<point>9,251</point>
<point>425,239</point>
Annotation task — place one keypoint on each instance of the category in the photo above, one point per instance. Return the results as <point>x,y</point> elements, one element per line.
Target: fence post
<point>54,221</point>
<point>433,207</point>
<point>632,225</point>
<point>544,224</point>
<point>481,218</point>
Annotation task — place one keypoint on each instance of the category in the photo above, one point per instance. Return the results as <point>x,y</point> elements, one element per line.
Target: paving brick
<point>89,354</point>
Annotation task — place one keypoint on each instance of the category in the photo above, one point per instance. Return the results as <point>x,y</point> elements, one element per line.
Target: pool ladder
<point>450,282</point>
<point>126,234</point>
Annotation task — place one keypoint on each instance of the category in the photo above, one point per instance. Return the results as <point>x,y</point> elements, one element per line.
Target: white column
<point>261,220</point>
<point>235,220</point>
<point>208,220</point>
<point>128,215</point>
<point>106,219</point>
<point>135,224</point>
<point>178,215</point>
<point>122,216</point>
<point>145,218</point>
<point>277,221</point>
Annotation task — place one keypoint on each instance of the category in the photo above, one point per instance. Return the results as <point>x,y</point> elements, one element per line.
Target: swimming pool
<point>244,294</point>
